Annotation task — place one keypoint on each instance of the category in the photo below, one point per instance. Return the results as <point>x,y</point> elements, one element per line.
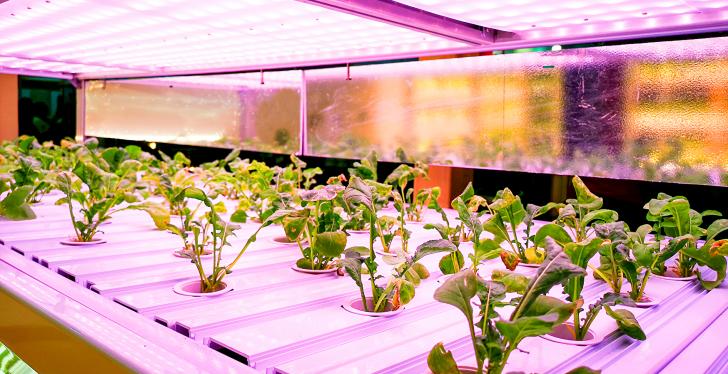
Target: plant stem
<point>644,284</point>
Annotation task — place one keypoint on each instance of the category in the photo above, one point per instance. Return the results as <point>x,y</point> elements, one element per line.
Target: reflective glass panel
<point>217,110</point>
<point>652,111</point>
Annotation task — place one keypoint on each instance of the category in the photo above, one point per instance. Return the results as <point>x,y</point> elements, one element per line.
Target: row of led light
<point>171,51</point>
<point>158,46</point>
<point>200,14</point>
<point>232,37</point>
<point>16,63</point>
<point>545,15</point>
<point>502,9</point>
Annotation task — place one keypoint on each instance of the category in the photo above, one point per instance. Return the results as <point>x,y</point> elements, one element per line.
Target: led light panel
<point>553,19</point>
<point>91,36</point>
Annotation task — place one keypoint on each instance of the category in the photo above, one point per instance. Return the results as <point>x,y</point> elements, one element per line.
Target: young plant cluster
<point>320,219</point>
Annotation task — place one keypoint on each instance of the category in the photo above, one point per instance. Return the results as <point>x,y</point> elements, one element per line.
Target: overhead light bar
<point>413,18</point>
<point>540,19</point>
<point>117,38</point>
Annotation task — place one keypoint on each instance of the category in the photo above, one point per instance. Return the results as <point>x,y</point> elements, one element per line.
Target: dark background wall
<point>46,108</point>
<point>625,196</point>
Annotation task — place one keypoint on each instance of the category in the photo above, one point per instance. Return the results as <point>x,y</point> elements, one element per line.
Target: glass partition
<point>653,111</point>
<point>218,110</point>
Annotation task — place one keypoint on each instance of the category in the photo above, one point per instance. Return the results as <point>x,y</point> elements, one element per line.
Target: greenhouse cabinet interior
<point>363,186</point>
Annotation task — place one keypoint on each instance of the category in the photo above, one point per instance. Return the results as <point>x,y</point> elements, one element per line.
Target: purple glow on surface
<point>579,16</point>
<point>98,39</point>
<point>185,34</point>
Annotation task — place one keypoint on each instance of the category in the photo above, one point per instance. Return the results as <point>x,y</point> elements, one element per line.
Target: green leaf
<point>614,231</point>
<point>704,258</point>
<point>294,225</point>
<point>402,171</point>
<point>486,250</point>
<point>458,290</point>
<point>514,282</point>
<point>522,327</point>
<point>545,304</point>
<point>580,253</point>
<point>716,228</point>
<point>239,216</point>
<point>719,248</point>
<point>231,156</point>
<point>674,246</point>
<point>509,207</point>
<point>405,291</point>
<point>583,370</point>
<point>626,322</point>
<point>584,196</point>
<point>327,192</point>
<point>431,247</point>
<point>451,263</point>
<point>440,361</point>
<point>278,214</point>
<point>158,213</point>
<point>534,211</point>
<point>421,270</point>
<point>179,159</point>
<point>366,168</point>
<point>710,212</point>
<point>352,266</point>
<point>553,231</point>
<point>555,269</point>
<point>599,216</point>
<point>358,192</point>
<point>134,151</point>
<point>330,244</point>
<point>197,194</point>
<point>14,206</point>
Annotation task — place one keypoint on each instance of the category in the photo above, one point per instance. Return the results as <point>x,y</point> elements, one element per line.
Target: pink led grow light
<point>567,17</point>
<point>114,36</point>
<point>98,39</point>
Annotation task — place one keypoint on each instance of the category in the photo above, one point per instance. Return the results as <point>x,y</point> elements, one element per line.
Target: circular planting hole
<point>193,287</point>
<point>355,306</point>
<point>74,241</point>
<point>564,334</point>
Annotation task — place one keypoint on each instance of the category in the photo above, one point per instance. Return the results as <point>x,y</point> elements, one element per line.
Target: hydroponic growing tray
<point>119,295</point>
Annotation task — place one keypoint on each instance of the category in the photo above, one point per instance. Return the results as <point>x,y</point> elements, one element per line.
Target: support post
<point>451,180</point>
<point>8,106</point>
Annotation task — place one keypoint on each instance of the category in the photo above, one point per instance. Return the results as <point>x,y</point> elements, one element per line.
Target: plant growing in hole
<point>466,205</point>
<point>420,201</point>
<point>105,195</point>
<point>711,253</point>
<point>507,214</point>
<point>318,225</point>
<point>213,167</point>
<point>212,230</point>
<point>294,176</point>
<point>353,216</point>
<point>672,217</point>
<point>170,179</point>
<point>580,253</point>
<point>187,219</point>
<point>398,290</point>
<point>30,172</point>
<point>495,338</point>
<point>14,205</point>
<point>629,256</point>
<point>577,218</point>
<point>366,168</point>
<point>405,198</point>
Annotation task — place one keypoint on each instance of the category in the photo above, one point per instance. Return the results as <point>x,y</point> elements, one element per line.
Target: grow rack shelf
<point>279,320</point>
